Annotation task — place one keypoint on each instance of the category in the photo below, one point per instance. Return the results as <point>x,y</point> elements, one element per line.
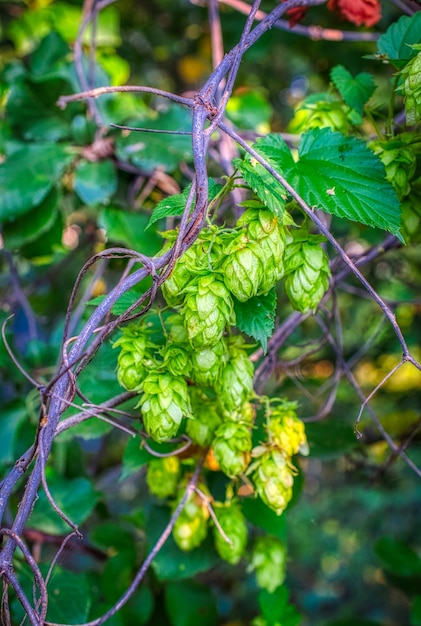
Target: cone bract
<point>235,384</point>
<point>201,428</point>
<point>286,431</point>
<point>207,364</point>
<point>411,77</point>
<point>135,348</point>
<point>400,164</point>
<point>164,403</point>
<point>243,268</point>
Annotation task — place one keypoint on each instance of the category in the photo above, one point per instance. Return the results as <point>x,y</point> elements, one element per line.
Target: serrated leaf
<point>395,43</point>
<point>339,175</point>
<point>43,164</point>
<point>256,317</point>
<point>174,205</point>
<point>128,228</point>
<point>355,91</point>
<point>123,303</point>
<point>95,182</point>
<point>69,597</point>
<point>267,189</point>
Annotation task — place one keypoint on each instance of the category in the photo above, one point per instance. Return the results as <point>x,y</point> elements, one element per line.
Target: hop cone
<point>234,525</point>
<point>207,364</point>
<point>164,402</point>
<point>268,561</point>
<point>231,447</point>
<point>411,215</point>
<point>306,272</point>
<point>177,360</point>
<point>273,480</point>
<point>411,77</point>
<point>399,162</point>
<point>134,347</point>
<point>208,308</point>
<point>201,428</point>
<point>263,229</point>
<point>322,114</point>
<point>177,330</point>
<point>191,527</point>
<point>245,414</point>
<point>162,476</point>
<point>286,431</point>
<point>235,384</point>
<point>243,269</point>
<point>180,277</point>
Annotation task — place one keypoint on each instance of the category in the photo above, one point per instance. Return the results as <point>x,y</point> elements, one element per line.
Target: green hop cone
<point>306,272</point>
<point>233,524</point>
<point>162,476</point>
<point>182,274</point>
<point>135,350</point>
<point>243,268</point>
<point>411,214</point>
<point>191,527</point>
<point>286,431</point>
<point>208,308</point>
<point>177,331</point>
<point>400,164</point>
<point>164,403</point>
<point>321,114</point>
<point>246,414</point>
<point>268,562</point>
<point>177,360</point>
<point>411,87</point>
<point>235,383</point>
<point>207,364</point>
<point>263,229</point>
<point>206,419</point>
<point>231,448</point>
<point>273,478</point>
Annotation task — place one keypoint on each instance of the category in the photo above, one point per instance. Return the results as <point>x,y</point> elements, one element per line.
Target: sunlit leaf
<point>356,91</point>
<point>256,317</point>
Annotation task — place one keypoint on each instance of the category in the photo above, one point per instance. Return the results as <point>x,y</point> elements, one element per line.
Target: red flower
<point>359,12</point>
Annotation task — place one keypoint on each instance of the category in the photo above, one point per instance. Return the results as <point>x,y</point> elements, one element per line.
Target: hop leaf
<point>306,272</point>
<point>231,447</point>
<point>273,478</point>
<point>162,476</point>
<point>234,525</point>
<point>208,308</point>
<point>268,561</point>
<point>164,403</point>
<point>135,352</point>
<point>191,527</point>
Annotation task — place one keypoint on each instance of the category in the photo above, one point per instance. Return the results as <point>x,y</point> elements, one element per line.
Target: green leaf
<point>341,176</point>
<point>256,317</point>
<point>33,225</point>
<point>136,456</point>
<point>397,557</point>
<point>330,438</point>
<point>268,190</point>
<point>95,182</point>
<point>174,205</point>
<point>261,516</point>
<point>250,109</point>
<point>76,497</point>
<point>395,43</point>
<point>276,609</point>
<point>129,229</point>
<point>187,603</point>
<point>355,91</point>
<point>416,611</point>
<point>151,150</point>
<point>45,246</point>
<point>32,111</point>
<point>43,164</point>
<point>52,49</point>
<point>123,303</point>
<point>68,597</point>
<point>11,417</point>
<point>171,563</point>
